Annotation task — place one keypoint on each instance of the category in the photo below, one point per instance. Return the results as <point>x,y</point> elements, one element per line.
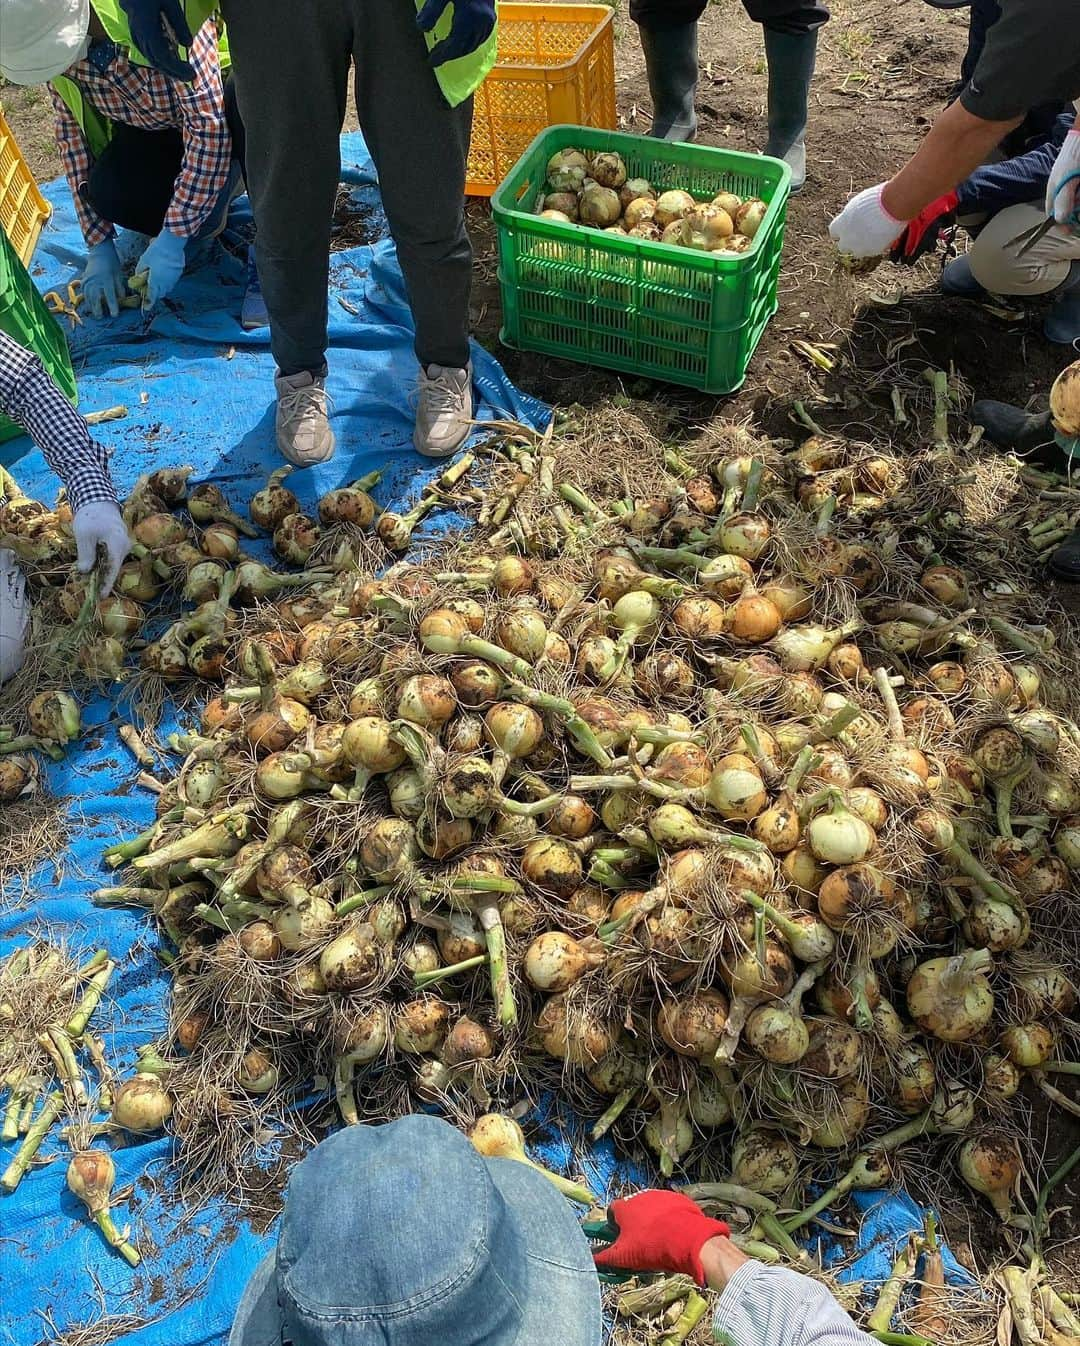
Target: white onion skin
<point>554,961</point>
<point>951,999</point>
<point>1027,1045</point>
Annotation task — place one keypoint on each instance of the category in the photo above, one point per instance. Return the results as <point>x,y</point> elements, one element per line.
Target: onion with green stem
<point>870,1171</point>
<point>206,504</point>
<point>753,977</point>
<point>839,837</point>
<point>498,1137</point>
<point>91,1175</point>
<point>272,502</point>
<point>776,1029</point>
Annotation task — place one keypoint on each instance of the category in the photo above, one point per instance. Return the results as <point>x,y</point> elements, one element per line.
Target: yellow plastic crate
<point>556,64</point>
<point>23,210</point>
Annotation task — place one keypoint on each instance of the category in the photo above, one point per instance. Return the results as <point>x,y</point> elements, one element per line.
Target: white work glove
<point>14,616</point>
<point>864,228</point>
<point>1061,187</point>
<point>100,522</point>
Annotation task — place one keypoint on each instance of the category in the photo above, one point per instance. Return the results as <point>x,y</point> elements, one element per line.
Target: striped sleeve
<point>33,401</point>
<point>772,1306</point>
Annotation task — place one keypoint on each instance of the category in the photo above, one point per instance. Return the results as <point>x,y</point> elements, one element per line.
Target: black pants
<point>132,181</point>
<point>291,60</point>
<point>783,16</point>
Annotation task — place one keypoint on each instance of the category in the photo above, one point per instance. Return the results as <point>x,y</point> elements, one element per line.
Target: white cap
<point>39,39</point>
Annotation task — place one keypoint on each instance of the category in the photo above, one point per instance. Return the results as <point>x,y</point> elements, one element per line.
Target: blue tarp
<point>189,402</point>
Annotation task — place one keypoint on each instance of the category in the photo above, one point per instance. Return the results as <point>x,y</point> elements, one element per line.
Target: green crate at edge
<point>641,307</point>
<point>25,318</point>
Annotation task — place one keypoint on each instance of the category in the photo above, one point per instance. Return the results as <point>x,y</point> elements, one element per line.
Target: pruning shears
<point>602,1234</point>
<point>54,302</point>
<point>1026,240</point>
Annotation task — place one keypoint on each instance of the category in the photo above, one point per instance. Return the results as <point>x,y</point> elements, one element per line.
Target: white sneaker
<point>444,410</point>
<point>304,436</point>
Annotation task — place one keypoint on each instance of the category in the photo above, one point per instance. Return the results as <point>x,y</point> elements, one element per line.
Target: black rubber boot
<point>671,61</point>
<point>1065,561</point>
<point>790,57</point>
<point>1016,431</point>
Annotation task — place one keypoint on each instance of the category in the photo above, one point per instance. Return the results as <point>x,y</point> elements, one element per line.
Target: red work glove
<point>921,235</point>
<point>659,1231</point>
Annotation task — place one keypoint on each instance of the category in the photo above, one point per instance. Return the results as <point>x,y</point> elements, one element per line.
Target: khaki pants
<point>997,268</point>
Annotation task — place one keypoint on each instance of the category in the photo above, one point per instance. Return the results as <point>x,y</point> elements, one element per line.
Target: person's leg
<point>790,32</point>
<point>290,67</point>
<point>131,182</point>
<point>669,39</point>
<point>420,146</point>
<point>996,264</point>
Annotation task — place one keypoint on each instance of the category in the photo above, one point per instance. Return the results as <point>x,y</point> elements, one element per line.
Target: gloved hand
<point>864,228</point>
<point>922,234</point>
<point>1064,180</point>
<point>147,19</point>
<point>470,27</point>
<point>162,264</point>
<point>659,1231</point>
<point>100,521</point>
<point>102,280</point>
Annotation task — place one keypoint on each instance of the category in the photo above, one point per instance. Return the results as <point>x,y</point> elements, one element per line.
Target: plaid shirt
<point>33,401</point>
<point>140,96</point>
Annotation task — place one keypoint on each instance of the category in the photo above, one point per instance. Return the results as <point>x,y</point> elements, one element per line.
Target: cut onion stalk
<point>498,1137</point>
<point>668,1134</point>
<point>951,998</point>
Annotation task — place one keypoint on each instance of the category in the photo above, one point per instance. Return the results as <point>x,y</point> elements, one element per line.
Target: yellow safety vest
<point>458,79</point>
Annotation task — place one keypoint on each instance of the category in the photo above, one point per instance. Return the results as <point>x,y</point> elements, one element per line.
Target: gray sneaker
<point>444,410</point>
<point>304,436</point>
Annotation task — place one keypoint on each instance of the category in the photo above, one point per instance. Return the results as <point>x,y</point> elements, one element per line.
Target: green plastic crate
<point>630,304</point>
<point>24,317</point>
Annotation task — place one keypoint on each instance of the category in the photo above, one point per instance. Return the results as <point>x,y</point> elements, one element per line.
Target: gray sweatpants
<point>291,65</point>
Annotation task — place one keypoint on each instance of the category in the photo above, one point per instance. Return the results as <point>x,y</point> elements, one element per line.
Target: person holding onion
<point>31,398</point>
<point>416,70</point>
<point>669,39</point>
<point>1031,56</point>
<point>404,1233</point>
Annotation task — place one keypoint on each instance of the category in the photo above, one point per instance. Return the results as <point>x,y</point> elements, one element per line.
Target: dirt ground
<point>885,68</point>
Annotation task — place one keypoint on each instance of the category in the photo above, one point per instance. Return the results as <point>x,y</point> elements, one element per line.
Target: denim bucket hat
<point>402,1235</point>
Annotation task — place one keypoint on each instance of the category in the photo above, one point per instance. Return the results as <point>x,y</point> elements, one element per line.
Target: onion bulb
<point>764,1161</point>
<point>498,1137</point>
<point>693,1025</point>
<point>1027,1045</point>
<point>555,960</point>
<point>951,997</point>
<point>839,837</point>
<point>990,1164</point>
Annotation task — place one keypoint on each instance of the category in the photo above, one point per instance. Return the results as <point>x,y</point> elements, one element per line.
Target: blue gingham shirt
<point>30,398</point>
